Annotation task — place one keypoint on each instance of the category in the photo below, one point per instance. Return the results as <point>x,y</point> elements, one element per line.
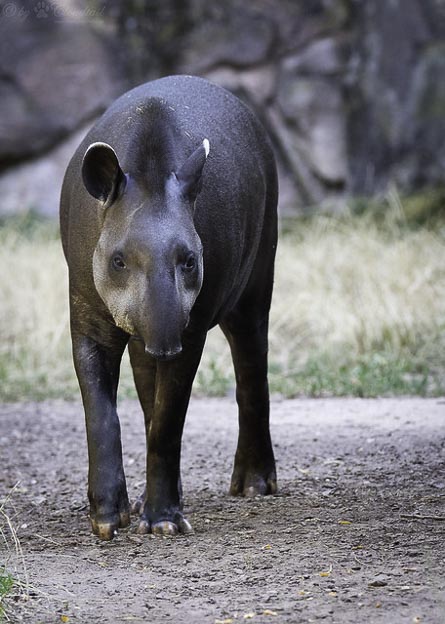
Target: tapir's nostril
<point>162,355</point>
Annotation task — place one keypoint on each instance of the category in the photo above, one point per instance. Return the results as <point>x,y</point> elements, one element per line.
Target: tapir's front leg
<point>162,510</point>
<point>97,368</point>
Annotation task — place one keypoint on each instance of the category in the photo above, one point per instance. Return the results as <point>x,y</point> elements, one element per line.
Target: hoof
<point>251,486</point>
<point>107,530</point>
<point>165,527</point>
<point>184,526</point>
<point>104,530</point>
<point>143,527</point>
<point>124,519</point>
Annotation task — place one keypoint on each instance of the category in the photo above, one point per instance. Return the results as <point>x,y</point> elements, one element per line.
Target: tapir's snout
<point>161,328</point>
<point>163,356</point>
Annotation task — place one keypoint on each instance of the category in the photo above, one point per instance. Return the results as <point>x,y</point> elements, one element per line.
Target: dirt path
<point>354,535</point>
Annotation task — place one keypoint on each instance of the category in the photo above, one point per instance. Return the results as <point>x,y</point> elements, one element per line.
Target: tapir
<point>169,227</point>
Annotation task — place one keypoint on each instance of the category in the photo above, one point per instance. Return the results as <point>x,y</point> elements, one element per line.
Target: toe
<point>104,530</point>
<point>259,489</point>
<point>272,486</point>
<point>184,526</point>
<point>164,527</point>
<point>143,527</point>
<point>124,519</point>
<point>136,507</point>
<point>236,487</point>
<point>253,484</point>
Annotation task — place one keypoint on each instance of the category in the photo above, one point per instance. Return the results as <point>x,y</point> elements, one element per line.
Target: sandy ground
<point>356,533</point>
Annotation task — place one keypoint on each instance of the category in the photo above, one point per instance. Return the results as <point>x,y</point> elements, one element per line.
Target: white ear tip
<point>99,144</point>
<point>206,146</point>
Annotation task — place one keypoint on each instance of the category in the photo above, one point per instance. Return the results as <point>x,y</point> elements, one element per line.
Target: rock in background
<point>351,91</point>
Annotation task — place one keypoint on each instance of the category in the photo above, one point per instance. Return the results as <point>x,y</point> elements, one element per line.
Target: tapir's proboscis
<point>169,227</point>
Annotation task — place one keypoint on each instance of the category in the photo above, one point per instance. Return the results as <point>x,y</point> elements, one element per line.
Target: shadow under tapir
<point>169,227</point>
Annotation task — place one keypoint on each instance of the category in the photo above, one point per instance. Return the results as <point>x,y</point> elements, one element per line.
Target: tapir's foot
<point>165,526</point>
<point>171,523</point>
<point>106,527</point>
<point>109,511</point>
<point>248,481</point>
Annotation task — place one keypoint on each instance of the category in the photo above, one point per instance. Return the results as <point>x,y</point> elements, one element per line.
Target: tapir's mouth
<point>163,356</point>
<point>159,354</point>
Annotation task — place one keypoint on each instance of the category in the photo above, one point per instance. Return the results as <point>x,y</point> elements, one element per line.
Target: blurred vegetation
<point>6,584</point>
<point>424,208</point>
<point>359,307</point>
<point>14,584</point>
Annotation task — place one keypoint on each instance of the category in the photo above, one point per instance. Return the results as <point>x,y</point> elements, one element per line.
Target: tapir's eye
<point>118,263</point>
<point>189,263</point>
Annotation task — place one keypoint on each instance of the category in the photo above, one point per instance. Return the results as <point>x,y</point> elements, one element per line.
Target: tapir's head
<point>148,262</point>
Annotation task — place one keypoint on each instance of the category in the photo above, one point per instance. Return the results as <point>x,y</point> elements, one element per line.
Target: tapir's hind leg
<point>254,467</point>
<point>246,329</point>
<point>144,374</point>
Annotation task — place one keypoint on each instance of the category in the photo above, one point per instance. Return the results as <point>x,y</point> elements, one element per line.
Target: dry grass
<point>359,308</point>
<point>354,287</point>
<point>35,353</point>
<point>14,585</point>
<point>353,297</point>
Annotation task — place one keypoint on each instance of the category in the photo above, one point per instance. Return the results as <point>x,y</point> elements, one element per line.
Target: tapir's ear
<point>101,172</point>
<point>190,174</point>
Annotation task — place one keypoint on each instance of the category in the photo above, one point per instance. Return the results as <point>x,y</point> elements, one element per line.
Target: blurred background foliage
<point>352,93</point>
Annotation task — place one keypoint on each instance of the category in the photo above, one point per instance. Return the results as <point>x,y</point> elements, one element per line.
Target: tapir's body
<point>163,243</point>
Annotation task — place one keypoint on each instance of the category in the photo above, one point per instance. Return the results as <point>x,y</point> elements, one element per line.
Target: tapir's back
<point>200,106</point>
<point>199,109</point>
